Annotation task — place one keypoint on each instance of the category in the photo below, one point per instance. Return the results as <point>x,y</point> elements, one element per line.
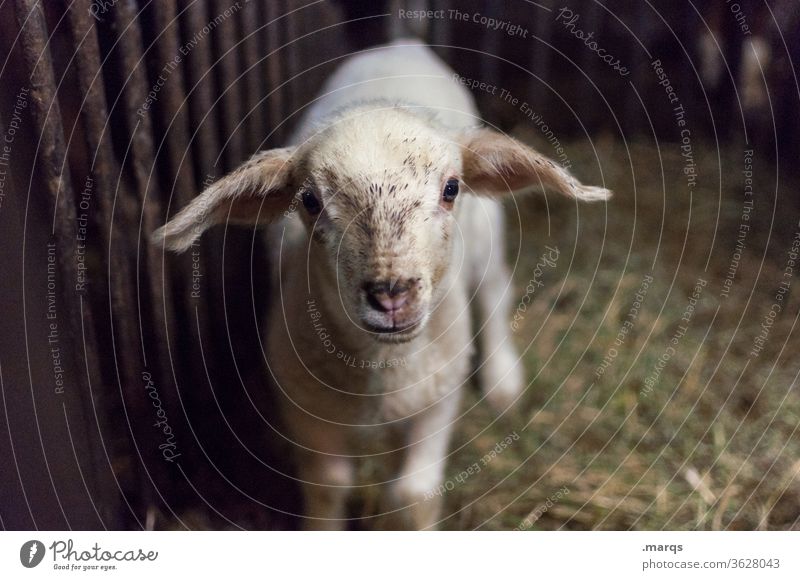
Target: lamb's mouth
<point>395,333</point>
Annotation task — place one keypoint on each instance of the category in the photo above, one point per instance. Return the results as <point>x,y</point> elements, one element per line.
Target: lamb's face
<point>379,196</point>
<point>379,189</point>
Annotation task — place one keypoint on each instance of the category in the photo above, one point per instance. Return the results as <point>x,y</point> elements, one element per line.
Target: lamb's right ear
<point>496,164</point>
<point>257,192</point>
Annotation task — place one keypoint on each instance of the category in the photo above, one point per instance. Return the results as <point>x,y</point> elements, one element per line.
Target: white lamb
<point>384,250</point>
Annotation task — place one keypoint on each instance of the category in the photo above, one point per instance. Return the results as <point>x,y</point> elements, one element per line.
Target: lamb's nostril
<point>386,297</point>
<point>389,303</point>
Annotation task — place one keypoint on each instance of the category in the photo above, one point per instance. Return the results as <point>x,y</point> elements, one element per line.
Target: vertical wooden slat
<point>205,143</point>
<point>226,67</point>
<point>490,64</point>
<point>542,56</point>
<point>199,77</point>
<point>640,68</point>
<point>585,100</point>
<point>290,54</point>
<point>105,173</point>
<point>15,496</point>
<point>181,187</point>
<point>55,411</point>
<point>275,66</point>
<point>153,284</point>
<point>253,119</point>
<point>171,104</point>
<point>207,315</point>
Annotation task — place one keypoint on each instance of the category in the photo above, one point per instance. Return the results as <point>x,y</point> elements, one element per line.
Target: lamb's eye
<point>311,203</point>
<point>450,191</point>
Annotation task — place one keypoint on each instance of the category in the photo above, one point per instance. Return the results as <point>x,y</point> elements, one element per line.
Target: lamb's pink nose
<point>387,297</point>
<point>389,303</point>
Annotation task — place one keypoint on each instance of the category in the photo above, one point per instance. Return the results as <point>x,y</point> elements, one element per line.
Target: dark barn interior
<point>134,390</point>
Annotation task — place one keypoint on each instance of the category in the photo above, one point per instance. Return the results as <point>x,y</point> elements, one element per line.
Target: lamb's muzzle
<point>379,256</point>
<point>395,305</point>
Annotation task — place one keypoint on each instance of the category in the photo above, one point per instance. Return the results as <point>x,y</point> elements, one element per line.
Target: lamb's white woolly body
<point>376,152</point>
<point>423,384</point>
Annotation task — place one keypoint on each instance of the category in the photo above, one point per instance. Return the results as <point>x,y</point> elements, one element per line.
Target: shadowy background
<point>115,113</point>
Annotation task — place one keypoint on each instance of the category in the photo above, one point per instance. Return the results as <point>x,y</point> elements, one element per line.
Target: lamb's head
<point>379,194</point>
<point>377,188</point>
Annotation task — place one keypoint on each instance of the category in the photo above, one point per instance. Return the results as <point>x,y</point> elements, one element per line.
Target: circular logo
<point>31,553</point>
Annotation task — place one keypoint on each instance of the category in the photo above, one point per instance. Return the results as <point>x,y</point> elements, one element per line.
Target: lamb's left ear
<point>495,164</point>
<point>257,192</point>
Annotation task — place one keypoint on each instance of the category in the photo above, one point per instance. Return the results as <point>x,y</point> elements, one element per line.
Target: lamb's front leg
<point>413,495</point>
<point>500,373</point>
<point>326,485</point>
<point>326,474</point>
